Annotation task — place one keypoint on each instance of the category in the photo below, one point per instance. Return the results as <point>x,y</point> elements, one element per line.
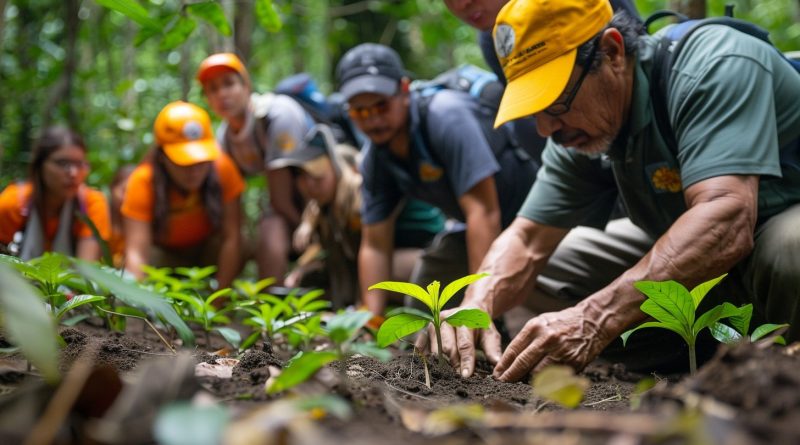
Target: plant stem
<point>437,329</point>
<point>692,360</point>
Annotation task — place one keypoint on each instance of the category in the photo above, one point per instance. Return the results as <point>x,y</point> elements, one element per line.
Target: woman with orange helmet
<point>43,213</point>
<point>181,207</point>
<point>258,129</point>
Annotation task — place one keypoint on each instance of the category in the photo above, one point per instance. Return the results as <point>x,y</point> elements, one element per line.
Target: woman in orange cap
<point>181,206</point>
<point>44,213</point>
<point>258,129</point>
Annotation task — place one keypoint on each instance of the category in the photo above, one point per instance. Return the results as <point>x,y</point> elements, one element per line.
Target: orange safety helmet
<point>183,131</point>
<point>217,63</point>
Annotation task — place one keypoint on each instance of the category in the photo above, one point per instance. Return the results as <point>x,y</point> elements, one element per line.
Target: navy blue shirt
<point>447,162</point>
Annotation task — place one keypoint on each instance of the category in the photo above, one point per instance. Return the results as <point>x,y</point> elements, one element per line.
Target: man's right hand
<point>459,343</point>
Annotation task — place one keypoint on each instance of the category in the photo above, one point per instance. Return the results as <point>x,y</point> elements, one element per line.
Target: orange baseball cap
<point>536,42</point>
<point>217,63</point>
<point>183,131</point>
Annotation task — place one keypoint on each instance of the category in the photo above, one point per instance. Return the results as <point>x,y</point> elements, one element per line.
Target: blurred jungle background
<point>106,67</point>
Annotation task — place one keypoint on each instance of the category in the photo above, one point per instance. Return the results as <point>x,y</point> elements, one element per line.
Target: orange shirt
<point>14,208</point>
<point>188,223</point>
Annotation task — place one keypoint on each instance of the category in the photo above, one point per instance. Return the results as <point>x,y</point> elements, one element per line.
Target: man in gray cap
<point>447,155</point>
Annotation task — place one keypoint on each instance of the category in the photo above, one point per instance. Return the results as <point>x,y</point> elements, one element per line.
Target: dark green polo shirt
<point>734,110</point>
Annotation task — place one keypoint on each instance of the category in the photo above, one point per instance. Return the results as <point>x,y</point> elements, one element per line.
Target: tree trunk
<point>243,30</point>
<point>61,92</point>
<point>28,33</point>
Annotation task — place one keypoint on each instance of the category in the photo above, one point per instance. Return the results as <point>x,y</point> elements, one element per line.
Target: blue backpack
<point>677,35</point>
<point>323,110</point>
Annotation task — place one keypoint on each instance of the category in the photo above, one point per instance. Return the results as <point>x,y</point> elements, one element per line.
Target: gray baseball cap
<point>369,68</point>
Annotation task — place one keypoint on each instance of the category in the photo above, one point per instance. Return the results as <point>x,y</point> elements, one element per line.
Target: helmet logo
<point>192,130</point>
<point>504,40</point>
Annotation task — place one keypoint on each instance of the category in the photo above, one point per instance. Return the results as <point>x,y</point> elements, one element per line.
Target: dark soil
<point>744,395</point>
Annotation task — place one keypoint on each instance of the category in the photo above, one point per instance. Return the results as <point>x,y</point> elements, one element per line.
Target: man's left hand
<point>569,337</point>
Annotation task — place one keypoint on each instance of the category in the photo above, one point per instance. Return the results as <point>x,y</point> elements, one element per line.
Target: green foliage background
<point>77,62</point>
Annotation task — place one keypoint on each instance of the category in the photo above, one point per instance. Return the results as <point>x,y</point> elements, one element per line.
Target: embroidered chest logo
<point>285,142</point>
<point>665,178</point>
<point>429,172</point>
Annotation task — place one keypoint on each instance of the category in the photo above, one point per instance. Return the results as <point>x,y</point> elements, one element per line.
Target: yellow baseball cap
<point>183,131</point>
<point>536,42</point>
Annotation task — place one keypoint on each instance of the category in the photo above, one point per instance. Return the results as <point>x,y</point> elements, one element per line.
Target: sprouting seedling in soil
<point>559,384</point>
<point>403,324</point>
<point>207,313</point>
<point>673,307</point>
<point>341,330</point>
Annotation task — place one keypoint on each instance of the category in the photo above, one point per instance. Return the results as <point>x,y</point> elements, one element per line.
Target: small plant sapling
<point>51,274</point>
<point>341,330</point>
<point>205,313</point>
<point>407,323</point>
<point>673,307</point>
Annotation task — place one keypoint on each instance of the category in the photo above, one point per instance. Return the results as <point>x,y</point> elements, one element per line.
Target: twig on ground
<point>163,340</point>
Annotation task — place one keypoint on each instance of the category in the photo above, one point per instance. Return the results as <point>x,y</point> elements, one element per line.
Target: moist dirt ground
<point>748,394</point>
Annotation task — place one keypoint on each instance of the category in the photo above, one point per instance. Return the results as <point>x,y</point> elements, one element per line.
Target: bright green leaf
<point>213,13</point>
<point>699,292</point>
<point>220,293</point>
<point>250,340</point>
<point>741,321</point>
<point>433,291</point>
<point>28,323</point>
<point>713,315</point>
<point>452,288</point>
<point>398,327</point>
<point>652,309</point>
<point>671,296</point>
<point>177,34</point>
<point>267,15</point>
<point>409,289</point>
<point>471,318</point>
<point>560,384</point>
<point>182,423</point>
<point>766,329</point>
<point>77,301</point>
<point>724,333</point>
<point>653,324</point>
<point>129,8</point>
<point>300,369</point>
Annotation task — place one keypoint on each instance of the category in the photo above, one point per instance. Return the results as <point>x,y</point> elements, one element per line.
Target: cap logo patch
<point>373,70</point>
<point>192,130</point>
<point>504,40</point>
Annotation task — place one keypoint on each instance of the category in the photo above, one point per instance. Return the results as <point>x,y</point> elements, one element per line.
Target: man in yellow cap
<point>257,129</point>
<point>724,198</point>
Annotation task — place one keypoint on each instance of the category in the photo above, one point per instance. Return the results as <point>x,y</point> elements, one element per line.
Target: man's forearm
<point>513,262</point>
<point>373,266</point>
<point>482,230</point>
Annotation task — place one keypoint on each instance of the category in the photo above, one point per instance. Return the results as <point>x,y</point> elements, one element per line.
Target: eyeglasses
<point>66,165</point>
<point>559,108</point>
<point>363,113</point>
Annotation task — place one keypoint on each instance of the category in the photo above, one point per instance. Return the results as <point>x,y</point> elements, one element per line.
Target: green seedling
<point>28,324</point>
<point>406,323</point>
<point>249,290</point>
<point>50,273</point>
<point>341,330</point>
<point>179,279</point>
<point>204,312</point>
<point>673,307</point>
<point>134,295</point>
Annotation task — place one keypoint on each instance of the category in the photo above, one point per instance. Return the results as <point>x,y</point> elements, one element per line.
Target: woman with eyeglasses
<point>181,205</point>
<point>54,210</point>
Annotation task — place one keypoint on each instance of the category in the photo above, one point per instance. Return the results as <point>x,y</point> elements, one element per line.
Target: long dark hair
<point>210,193</point>
<point>51,140</point>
